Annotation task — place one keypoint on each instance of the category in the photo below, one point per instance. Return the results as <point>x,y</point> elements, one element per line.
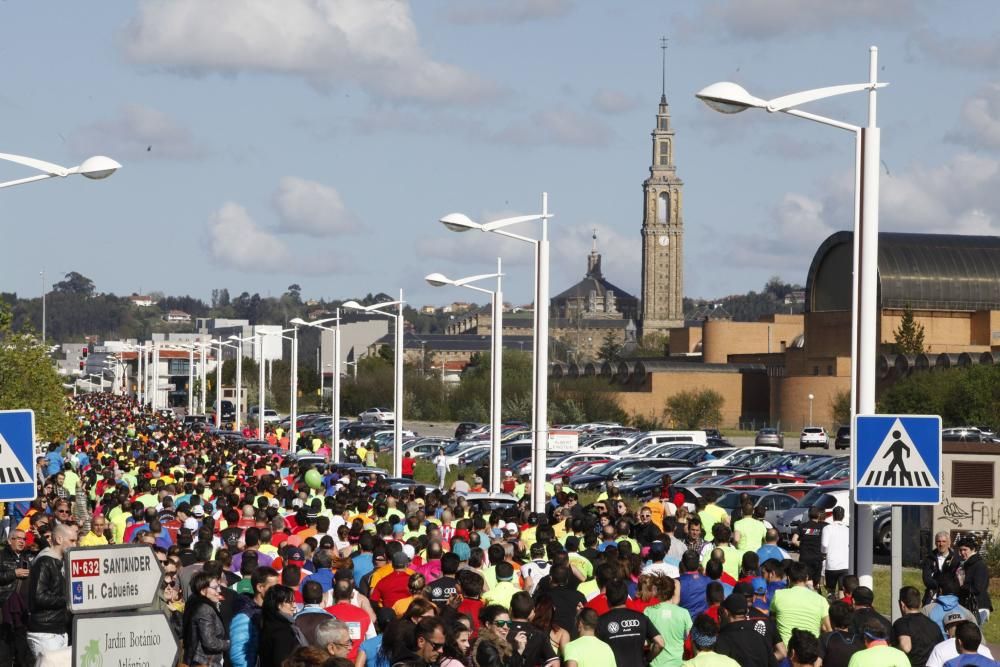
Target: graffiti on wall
<point>970,513</point>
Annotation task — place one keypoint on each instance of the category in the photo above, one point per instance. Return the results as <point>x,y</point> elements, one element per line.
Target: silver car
<point>769,436</point>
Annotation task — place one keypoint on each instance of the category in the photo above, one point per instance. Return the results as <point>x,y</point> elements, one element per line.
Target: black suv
<point>843,440</point>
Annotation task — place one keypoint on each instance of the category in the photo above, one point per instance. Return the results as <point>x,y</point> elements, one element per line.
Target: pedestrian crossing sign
<point>17,455</point>
<point>897,459</point>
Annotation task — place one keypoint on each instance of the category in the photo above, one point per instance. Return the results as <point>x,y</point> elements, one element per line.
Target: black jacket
<point>47,596</point>
<point>976,589</point>
<point>278,639</point>
<point>934,575</point>
<point>10,561</point>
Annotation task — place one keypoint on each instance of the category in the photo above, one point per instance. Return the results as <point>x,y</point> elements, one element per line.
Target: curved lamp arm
<point>806,96</point>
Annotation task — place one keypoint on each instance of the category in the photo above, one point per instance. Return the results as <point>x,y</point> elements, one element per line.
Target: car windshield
<point>812,497</point>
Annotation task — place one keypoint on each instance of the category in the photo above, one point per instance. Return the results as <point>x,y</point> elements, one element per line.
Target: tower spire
<point>663,70</point>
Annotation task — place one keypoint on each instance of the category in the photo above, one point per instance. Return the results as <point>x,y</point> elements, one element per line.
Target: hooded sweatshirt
<point>941,607</point>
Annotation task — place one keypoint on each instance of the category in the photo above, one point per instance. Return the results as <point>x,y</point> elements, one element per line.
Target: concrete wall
<point>651,398</point>
<point>978,513</point>
<point>791,408</point>
<point>720,338</point>
<point>685,340</point>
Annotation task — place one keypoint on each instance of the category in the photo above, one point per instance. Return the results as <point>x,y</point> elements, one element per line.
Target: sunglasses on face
<point>437,646</point>
<point>503,624</point>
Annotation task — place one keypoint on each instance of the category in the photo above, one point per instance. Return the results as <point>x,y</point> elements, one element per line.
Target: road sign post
<point>897,461</point>
<point>17,455</point>
<point>108,578</point>
<point>138,638</point>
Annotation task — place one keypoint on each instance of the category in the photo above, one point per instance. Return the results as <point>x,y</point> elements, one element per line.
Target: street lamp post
<point>459,222</point>
<point>94,168</point>
<point>238,403</point>
<point>728,97</point>
<point>496,358</point>
<point>42,273</point>
<point>811,397</point>
<point>335,387</point>
<point>294,390</point>
<point>397,407</point>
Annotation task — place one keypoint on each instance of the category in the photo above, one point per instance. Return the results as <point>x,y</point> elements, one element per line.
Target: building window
<point>177,366</point>
<point>663,208</point>
<point>971,479</point>
<point>815,370</point>
<point>664,153</point>
<point>663,124</point>
<point>829,370</point>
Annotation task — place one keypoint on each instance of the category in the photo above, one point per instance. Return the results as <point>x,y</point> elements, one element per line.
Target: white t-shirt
<point>947,650</point>
<point>835,540</point>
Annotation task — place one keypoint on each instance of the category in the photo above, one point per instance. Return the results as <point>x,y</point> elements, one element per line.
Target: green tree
<point>910,334</point>
<point>28,379</point>
<point>75,283</point>
<point>840,405</point>
<point>610,348</point>
<point>694,408</point>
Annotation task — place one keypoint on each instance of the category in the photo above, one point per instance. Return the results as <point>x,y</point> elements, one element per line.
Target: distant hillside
<point>776,297</point>
<point>75,310</point>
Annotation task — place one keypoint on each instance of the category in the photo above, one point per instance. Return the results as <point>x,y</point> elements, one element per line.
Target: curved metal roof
<point>921,271</point>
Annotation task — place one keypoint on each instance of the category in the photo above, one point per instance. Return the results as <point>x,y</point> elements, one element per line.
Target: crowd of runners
<point>274,563</point>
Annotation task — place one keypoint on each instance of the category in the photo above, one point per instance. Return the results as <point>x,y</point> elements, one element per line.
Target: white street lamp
<point>397,401</point>
<point>496,358</point>
<point>238,403</point>
<point>729,97</point>
<point>458,222</point>
<point>335,388</point>
<point>95,168</point>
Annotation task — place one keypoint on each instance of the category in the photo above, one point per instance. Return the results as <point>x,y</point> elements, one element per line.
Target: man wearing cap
<point>948,649</point>
<point>877,652</point>
<point>505,588</point>
<point>394,586</point>
<point>742,639</point>
<point>244,630</point>
<point>759,607</point>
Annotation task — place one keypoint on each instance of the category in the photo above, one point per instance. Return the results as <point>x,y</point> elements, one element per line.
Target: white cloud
<point>613,101</point>
<point>760,20</point>
<point>373,44</point>
<point>559,126</point>
<point>959,196</point>
<point>237,242</point>
<point>963,51</point>
<point>980,119</point>
<point>506,11</point>
<point>311,208</point>
<point>139,132</point>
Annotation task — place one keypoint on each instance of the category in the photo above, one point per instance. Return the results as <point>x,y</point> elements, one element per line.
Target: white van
<point>644,440</point>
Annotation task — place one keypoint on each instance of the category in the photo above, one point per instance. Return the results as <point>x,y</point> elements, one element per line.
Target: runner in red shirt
<point>395,586</point>
<point>357,620</point>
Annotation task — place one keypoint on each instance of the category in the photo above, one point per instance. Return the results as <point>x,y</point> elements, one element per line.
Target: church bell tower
<point>662,229</point>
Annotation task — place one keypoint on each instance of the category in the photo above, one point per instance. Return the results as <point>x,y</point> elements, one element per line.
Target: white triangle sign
<point>897,463</point>
<point>12,471</point>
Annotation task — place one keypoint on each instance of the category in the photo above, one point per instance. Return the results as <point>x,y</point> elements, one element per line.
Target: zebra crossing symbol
<point>897,459</point>
<point>17,455</point>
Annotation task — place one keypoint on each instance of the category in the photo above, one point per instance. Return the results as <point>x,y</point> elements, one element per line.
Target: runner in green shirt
<point>800,607</point>
<point>587,650</point>
<point>877,651</point>
<point>673,623</point>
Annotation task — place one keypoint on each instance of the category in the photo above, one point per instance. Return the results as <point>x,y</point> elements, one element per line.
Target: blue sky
<point>317,142</point>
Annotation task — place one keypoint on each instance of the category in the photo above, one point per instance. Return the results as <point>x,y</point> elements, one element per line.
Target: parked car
<point>377,415</point>
<point>843,439</point>
<point>774,504</point>
<point>771,437</point>
<point>824,497</point>
<point>757,480</point>
<point>814,436</point>
<point>464,428</point>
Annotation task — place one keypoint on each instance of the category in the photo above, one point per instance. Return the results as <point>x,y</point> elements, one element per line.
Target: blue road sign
<point>897,459</point>
<point>17,455</point>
